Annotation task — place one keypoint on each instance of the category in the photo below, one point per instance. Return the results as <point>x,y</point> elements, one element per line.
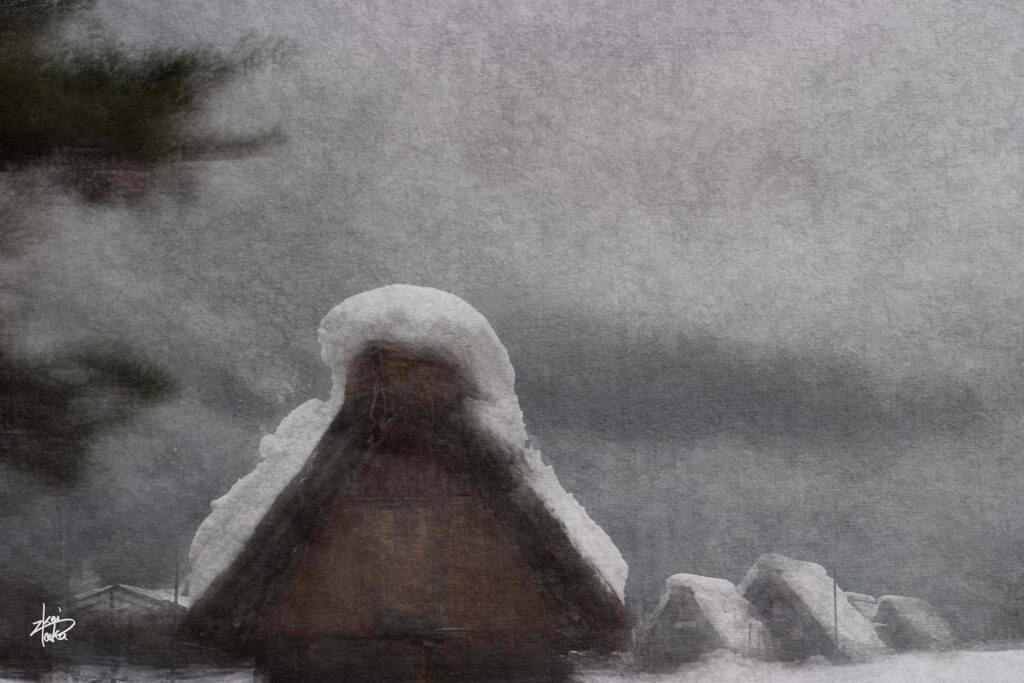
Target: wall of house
<point>409,548</point>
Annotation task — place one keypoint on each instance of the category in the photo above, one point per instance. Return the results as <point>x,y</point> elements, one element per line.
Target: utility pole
<point>65,548</point>
<point>174,614</point>
<point>835,609</point>
<point>177,564</point>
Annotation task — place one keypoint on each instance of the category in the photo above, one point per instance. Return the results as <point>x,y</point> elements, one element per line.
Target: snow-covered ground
<point>129,674</point>
<point>919,667</point>
<point>936,667</point>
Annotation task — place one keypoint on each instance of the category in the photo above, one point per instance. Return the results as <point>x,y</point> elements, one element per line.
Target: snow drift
<point>415,318</point>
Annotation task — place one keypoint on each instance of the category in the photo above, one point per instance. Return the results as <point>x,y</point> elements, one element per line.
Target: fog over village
<point>756,267</point>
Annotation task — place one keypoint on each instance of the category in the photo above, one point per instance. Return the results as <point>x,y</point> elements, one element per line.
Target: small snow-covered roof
<point>414,318</point>
<point>695,616</point>
<point>722,605</point>
<point>813,587</point>
<point>912,623</point>
<point>165,594</point>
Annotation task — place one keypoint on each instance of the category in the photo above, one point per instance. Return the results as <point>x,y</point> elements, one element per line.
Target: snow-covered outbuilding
<point>798,603</point>
<point>120,597</point>
<point>403,527</point>
<point>696,614</point>
<point>912,624</point>
<point>126,620</point>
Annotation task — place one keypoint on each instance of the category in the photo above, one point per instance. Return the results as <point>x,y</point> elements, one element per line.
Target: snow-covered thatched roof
<point>810,585</point>
<point>421,320</point>
<point>726,610</point>
<point>696,615</point>
<point>720,607</point>
<point>912,624</point>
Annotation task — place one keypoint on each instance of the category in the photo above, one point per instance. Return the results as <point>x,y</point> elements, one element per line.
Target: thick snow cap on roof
<point>812,586</point>
<point>414,318</point>
<point>722,605</point>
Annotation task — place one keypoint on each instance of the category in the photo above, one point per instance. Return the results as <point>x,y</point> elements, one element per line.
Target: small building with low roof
<point>696,615</point>
<point>906,623</point>
<point>798,603</point>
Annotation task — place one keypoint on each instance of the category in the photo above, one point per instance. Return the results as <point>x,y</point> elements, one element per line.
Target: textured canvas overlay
<point>525,341</point>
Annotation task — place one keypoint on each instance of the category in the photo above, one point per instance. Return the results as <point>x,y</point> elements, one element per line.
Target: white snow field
<point>93,673</point>
<point>920,667</point>
<point>414,318</point>
<point>720,667</point>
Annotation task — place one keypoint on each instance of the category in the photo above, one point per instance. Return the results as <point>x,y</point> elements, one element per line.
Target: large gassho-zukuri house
<point>403,529</point>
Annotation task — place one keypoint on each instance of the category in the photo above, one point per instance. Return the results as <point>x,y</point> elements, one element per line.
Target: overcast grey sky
<point>757,264</point>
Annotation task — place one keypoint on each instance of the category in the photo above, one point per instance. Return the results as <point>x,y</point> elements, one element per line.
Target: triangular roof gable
<point>229,611</point>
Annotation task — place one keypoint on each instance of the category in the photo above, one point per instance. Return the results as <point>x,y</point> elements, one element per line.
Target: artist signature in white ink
<point>52,628</point>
